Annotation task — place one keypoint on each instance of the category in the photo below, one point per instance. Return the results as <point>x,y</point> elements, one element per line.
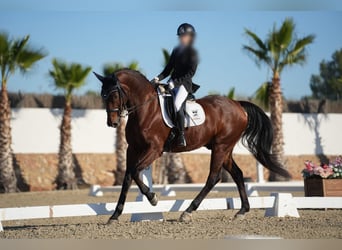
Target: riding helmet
<point>186,28</point>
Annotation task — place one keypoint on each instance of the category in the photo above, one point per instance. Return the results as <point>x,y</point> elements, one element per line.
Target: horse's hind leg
<point>234,170</point>
<point>217,158</point>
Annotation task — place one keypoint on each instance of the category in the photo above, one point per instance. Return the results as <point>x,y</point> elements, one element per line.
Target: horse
<point>128,92</point>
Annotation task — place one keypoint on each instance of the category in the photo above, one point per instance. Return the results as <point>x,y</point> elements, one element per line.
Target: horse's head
<point>114,98</point>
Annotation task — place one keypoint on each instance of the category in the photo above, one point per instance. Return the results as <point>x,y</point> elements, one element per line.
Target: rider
<point>182,67</point>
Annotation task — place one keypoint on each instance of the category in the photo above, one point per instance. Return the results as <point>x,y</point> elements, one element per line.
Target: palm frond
<point>262,94</point>
<point>4,48</point>
<point>59,73</point>
<point>299,59</point>
<point>68,76</point>
<point>284,48</point>
<point>260,56</point>
<point>300,44</point>
<point>16,49</point>
<point>110,68</point>
<point>274,47</point>
<point>285,33</point>
<point>231,93</point>
<point>134,65</point>
<point>166,55</point>
<point>4,43</point>
<point>256,39</point>
<point>297,55</point>
<point>17,54</point>
<point>78,75</point>
<point>28,57</point>
<point>4,53</point>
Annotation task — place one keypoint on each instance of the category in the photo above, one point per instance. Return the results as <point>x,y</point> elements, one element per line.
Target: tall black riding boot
<point>181,142</point>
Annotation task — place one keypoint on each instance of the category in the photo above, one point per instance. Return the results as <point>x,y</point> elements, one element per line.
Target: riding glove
<point>155,82</point>
<point>171,85</point>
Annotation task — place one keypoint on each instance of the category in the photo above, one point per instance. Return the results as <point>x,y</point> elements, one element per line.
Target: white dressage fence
<point>252,188</point>
<point>276,205</point>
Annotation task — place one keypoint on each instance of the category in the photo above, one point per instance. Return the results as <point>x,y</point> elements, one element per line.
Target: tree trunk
<point>66,178</point>
<point>175,169</point>
<point>121,149</point>
<point>225,176</point>
<point>276,110</point>
<point>8,180</point>
<point>161,165</point>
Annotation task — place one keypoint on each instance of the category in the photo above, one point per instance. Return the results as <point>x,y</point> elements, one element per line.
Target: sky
<point>96,35</point>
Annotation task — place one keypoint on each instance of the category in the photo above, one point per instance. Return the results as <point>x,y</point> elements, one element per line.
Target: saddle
<point>194,113</point>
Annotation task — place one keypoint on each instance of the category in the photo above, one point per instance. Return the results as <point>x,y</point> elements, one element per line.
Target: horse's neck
<point>138,90</point>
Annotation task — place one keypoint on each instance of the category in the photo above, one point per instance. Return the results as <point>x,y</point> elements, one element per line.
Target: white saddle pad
<point>194,113</point>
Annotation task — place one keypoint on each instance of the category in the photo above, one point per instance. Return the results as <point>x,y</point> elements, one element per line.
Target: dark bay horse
<point>129,92</point>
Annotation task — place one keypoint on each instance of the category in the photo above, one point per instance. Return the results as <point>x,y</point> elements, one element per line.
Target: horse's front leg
<point>127,181</point>
<point>145,160</point>
<point>122,199</point>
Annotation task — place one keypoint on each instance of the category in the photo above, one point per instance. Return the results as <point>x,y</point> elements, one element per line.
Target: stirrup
<point>181,142</point>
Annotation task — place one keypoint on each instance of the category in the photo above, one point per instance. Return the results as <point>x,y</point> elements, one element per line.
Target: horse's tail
<point>258,138</point>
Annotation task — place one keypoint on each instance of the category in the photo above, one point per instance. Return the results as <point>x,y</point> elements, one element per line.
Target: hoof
<point>185,217</point>
<point>239,217</point>
<point>112,221</point>
<point>154,200</point>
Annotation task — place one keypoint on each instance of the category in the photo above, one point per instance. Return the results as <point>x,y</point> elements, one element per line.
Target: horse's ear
<point>101,78</point>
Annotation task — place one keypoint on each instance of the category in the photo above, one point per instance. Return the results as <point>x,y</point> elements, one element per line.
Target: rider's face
<point>186,39</point>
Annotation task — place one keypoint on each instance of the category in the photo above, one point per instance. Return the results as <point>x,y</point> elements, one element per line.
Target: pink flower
<point>317,170</point>
<point>309,165</point>
<point>323,170</point>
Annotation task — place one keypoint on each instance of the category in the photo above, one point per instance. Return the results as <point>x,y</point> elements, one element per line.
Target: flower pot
<point>322,187</point>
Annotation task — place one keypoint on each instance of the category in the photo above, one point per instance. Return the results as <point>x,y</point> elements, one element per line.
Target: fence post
<point>284,205</point>
<point>168,191</point>
<point>260,173</point>
<point>146,176</point>
<point>95,190</point>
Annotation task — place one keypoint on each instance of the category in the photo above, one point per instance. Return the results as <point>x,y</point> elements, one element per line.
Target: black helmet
<point>186,28</point>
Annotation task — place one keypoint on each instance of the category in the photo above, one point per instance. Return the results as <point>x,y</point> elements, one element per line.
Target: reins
<point>137,107</point>
<point>123,107</point>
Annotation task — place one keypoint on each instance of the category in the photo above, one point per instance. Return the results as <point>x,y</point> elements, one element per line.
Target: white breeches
<point>180,96</point>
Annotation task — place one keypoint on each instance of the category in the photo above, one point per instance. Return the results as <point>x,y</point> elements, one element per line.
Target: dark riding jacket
<point>182,67</point>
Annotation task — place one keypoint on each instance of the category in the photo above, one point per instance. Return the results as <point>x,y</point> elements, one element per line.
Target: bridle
<point>122,106</point>
<point>123,110</point>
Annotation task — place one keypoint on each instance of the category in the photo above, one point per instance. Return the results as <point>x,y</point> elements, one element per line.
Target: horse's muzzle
<point>113,124</point>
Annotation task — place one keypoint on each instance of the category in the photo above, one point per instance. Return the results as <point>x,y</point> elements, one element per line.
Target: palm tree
<point>15,54</point>
<point>67,77</point>
<point>121,144</point>
<point>175,168</point>
<point>282,48</point>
